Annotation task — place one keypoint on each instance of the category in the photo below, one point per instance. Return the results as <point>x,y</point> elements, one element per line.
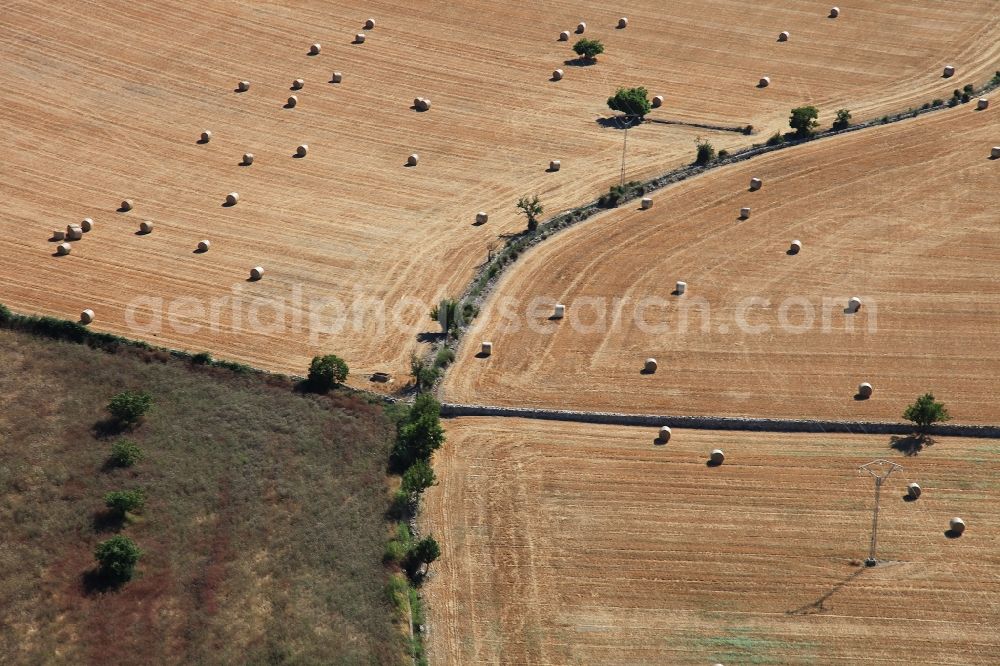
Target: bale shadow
<point>56,239</point>
<point>580,62</point>
<point>201,142</point>
<point>122,209</point>
<point>198,250</point>
<point>659,442</point>
<point>859,397</point>
<point>142,233</point>
<point>644,371</point>
<point>296,156</point>
<point>357,41</point>
<point>911,445</point>
<point>952,534</point>
<point>238,91</point>
<point>553,79</point>
<point>477,223</point>
<point>761,85</point>
<point>713,463</point>
<point>791,252</point>
<point>286,105</point>
<point>56,254</point>
<point>994,158</point>
<point>675,293</point>
<point>252,279</point>
<point>243,163</point>
<point>907,497</point>
<point>483,355</point>
<point>226,204</point>
<point>555,318</point>
<point>551,170</point>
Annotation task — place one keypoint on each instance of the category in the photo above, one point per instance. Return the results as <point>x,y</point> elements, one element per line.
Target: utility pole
<point>880,471</point>
<point>628,123</point>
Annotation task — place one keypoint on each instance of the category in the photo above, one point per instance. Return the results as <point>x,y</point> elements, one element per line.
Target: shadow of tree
<point>96,581</point>
<point>910,445</point>
<point>109,427</point>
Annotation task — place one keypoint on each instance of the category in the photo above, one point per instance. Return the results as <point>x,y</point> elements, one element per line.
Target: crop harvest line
<point>453,410</point>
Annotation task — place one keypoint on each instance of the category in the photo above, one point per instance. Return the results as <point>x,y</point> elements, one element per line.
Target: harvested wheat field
<point>107,101</point>
<point>569,543</point>
<point>902,216</point>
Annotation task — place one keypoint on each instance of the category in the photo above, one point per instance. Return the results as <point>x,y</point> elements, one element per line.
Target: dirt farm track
<point>581,544</point>
<point>103,101</point>
<point>903,216</point>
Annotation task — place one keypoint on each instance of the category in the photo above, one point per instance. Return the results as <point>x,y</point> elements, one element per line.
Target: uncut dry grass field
<point>105,100</point>
<point>903,216</point>
<point>578,544</point>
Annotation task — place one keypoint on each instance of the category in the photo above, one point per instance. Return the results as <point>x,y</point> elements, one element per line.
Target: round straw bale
<point>86,316</point>
<point>647,203</point>
<point>664,435</point>
<point>649,366</point>
<point>622,23</point>
<point>657,101</point>
<point>744,213</point>
<point>422,104</point>
<point>370,24</point>
<point>232,198</point>
<point>64,248</point>
<point>949,71</point>
<point>555,165</point>
<point>297,84</point>
<point>865,390</point>
<point>717,457</point>
<point>982,104</point>
<point>581,27</point>
<point>913,490</point>
<point>564,36</point>
<point>74,232</point>
<point>487,349</point>
<point>293,100</point>
<point>482,218</point>
<point>359,38</point>
<point>243,86</point>
<point>315,49</point>
<point>257,272</point>
<point>995,152</point>
<point>795,247</point>
<point>87,224</point>
<point>783,36</point>
<point>764,82</point>
<point>854,304</point>
<point>412,160</point>
<point>834,12</point>
<point>957,525</point>
<point>560,311</point>
<point>127,204</point>
<point>58,235</point>
<point>557,74</point>
<point>302,150</point>
<point>204,245</point>
<point>146,227</point>
<point>756,184</point>
<point>337,77</point>
<point>680,288</point>
<point>247,159</point>
<point>206,136</point>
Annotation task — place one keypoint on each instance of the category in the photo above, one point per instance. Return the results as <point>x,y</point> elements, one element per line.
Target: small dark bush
<point>723,154</point>
<point>125,501</point>
<point>776,139</point>
<point>705,152</point>
<point>202,358</point>
<point>444,357</point>
<point>5,314</point>
<point>953,102</point>
<point>748,130</point>
<point>937,102</point>
<point>968,88</point>
<point>966,97</point>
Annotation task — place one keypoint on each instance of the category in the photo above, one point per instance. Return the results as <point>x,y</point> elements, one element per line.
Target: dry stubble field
<point>903,216</point>
<point>105,100</point>
<point>570,543</point>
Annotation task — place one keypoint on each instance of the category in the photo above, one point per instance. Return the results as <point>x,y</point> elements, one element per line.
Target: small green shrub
<point>723,154</point>
<point>444,357</point>
<point>117,557</point>
<point>5,314</point>
<point>776,139</point>
<point>937,102</point>
<point>125,501</point>
<point>968,88</point>
<point>130,406</point>
<point>125,453</point>
<point>843,120</point>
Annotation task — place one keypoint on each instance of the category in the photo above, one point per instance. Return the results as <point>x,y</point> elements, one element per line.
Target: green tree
<point>125,453</point>
<point>531,208</point>
<point>424,374</point>
<point>419,476</point>
<point>130,406</point>
<point>125,501</point>
<point>325,372</point>
<point>424,551</point>
<point>843,120</point>
<point>803,121</point>
<point>588,48</point>
<point>632,102</point>
<point>706,152</point>
<point>419,434</point>
<point>925,412</point>
<point>117,557</point>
